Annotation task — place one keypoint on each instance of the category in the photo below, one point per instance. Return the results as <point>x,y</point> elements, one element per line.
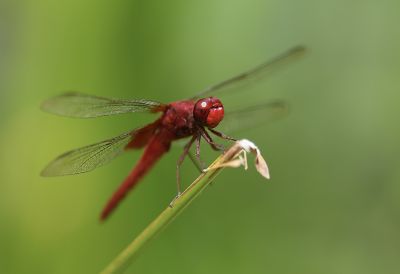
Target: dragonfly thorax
<point>178,118</point>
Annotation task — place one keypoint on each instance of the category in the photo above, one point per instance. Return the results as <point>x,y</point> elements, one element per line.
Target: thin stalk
<point>125,258</point>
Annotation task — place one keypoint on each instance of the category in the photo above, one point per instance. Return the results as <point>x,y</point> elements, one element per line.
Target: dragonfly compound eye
<point>208,112</point>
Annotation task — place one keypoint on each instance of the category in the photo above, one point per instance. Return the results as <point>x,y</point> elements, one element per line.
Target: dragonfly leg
<point>202,164</point>
<point>210,141</point>
<point>180,161</point>
<point>222,135</point>
<point>195,162</point>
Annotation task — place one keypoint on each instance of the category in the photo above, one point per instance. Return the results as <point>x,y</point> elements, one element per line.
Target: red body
<point>176,122</point>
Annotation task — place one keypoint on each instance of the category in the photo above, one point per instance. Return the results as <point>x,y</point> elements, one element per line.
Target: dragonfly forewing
<point>239,81</point>
<point>80,105</point>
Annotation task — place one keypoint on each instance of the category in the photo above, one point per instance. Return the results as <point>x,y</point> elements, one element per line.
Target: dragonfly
<point>195,118</point>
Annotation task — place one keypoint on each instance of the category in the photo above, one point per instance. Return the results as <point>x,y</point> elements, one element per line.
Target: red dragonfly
<point>196,118</point>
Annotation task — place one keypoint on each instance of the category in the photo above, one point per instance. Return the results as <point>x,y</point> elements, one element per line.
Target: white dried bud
<point>240,158</point>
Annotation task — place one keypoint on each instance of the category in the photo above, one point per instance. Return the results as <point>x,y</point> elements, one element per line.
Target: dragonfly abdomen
<point>157,146</point>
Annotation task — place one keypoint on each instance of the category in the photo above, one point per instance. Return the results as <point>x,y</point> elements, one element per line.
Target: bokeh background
<point>332,205</point>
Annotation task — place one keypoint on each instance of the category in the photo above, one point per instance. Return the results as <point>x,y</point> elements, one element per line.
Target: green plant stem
<point>122,261</point>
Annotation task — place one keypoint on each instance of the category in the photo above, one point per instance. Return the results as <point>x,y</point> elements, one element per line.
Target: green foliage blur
<point>332,205</point>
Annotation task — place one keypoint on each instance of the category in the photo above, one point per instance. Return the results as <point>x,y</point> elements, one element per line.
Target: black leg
<point>180,161</point>
<point>222,135</point>
<point>202,164</point>
<point>210,141</point>
<point>195,162</point>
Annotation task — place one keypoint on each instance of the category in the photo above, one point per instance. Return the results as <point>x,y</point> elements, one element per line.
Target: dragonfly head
<point>208,112</point>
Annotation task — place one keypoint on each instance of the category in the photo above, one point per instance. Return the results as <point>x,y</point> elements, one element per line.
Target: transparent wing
<point>89,157</point>
<point>252,74</point>
<point>253,116</point>
<point>80,105</point>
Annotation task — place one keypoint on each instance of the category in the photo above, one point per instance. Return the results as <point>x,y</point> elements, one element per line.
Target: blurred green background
<point>332,205</point>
